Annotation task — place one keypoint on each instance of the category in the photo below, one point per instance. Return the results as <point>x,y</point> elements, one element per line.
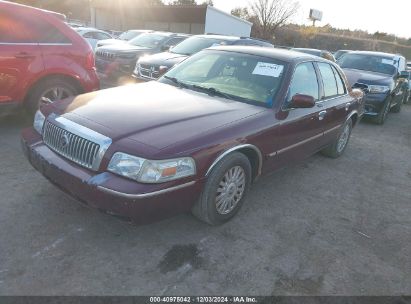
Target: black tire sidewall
<point>382,116</point>
<point>210,189</point>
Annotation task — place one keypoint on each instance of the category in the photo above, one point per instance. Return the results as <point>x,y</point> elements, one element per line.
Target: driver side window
<point>304,82</point>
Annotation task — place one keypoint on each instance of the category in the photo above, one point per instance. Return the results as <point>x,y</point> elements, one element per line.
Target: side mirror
<point>404,75</point>
<point>165,48</point>
<point>300,101</point>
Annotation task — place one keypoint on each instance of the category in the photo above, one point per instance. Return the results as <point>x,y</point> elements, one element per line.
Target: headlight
<point>151,171</point>
<point>38,123</point>
<point>377,89</point>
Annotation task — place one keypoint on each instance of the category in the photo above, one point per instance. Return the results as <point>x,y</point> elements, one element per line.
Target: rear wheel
<point>49,91</point>
<point>225,190</point>
<point>337,148</point>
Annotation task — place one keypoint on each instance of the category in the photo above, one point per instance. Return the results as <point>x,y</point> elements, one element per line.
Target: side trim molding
<point>145,195</point>
<point>236,148</point>
<point>304,141</point>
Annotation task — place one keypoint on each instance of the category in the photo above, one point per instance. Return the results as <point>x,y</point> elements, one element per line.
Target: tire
<point>397,107</point>
<point>337,148</point>
<point>54,89</point>
<point>382,116</point>
<point>210,206</point>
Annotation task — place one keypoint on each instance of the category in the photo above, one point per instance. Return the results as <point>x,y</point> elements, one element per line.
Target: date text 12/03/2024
<point>237,299</point>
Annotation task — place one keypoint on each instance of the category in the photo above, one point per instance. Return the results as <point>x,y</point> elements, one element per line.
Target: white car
<point>124,37</point>
<point>93,35</point>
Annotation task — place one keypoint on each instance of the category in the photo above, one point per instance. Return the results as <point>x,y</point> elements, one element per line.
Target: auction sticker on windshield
<point>268,69</point>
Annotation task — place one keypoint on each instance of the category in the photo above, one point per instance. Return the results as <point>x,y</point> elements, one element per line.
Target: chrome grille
<point>105,55</point>
<point>147,71</point>
<point>75,142</point>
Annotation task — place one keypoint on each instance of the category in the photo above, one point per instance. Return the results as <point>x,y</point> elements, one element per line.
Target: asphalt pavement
<point>319,227</point>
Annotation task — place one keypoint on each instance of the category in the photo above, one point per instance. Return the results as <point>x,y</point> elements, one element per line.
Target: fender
<point>236,148</point>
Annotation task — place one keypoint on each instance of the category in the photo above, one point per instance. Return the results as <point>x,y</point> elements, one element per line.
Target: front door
<point>300,133</point>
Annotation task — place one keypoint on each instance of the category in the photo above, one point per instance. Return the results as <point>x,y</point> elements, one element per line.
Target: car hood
<point>153,113</point>
<point>167,58</point>
<point>367,77</point>
<point>122,47</point>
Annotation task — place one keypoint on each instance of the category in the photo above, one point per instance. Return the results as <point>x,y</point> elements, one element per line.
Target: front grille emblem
<point>65,141</point>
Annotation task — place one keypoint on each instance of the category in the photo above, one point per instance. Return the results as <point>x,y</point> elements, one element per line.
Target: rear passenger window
<point>329,82</point>
<point>340,82</point>
<point>12,30</point>
<point>16,27</point>
<point>304,81</point>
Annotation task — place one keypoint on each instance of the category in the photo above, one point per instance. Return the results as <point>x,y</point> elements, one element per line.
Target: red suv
<point>41,59</point>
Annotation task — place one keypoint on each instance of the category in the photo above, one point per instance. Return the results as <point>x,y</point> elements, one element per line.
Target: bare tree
<point>272,13</point>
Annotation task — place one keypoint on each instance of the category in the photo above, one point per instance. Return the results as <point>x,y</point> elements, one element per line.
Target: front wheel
<point>397,107</point>
<point>382,116</point>
<point>225,190</point>
<point>49,91</point>
<point>337,148</point>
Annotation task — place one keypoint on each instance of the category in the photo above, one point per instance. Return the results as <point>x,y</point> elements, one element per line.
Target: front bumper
<point>108,192</point>
<point>374,103</point>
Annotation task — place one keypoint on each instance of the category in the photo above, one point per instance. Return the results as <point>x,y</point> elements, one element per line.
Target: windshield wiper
<point>213,91</point>
<point>177,82</point>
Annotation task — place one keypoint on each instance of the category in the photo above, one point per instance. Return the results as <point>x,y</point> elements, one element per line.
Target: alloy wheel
<point>53,94</point>
<point>230,190</point>
<point>343,139</point>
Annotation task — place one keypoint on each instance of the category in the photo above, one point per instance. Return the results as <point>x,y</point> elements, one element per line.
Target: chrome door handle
<point>321,115</point>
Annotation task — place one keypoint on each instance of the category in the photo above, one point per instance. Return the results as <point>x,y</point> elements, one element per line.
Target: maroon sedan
<point>197,138</point>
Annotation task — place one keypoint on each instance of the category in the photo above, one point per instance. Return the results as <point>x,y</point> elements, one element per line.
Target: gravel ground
<point>320,227</point>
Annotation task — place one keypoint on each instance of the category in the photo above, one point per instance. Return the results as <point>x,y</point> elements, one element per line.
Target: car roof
<point>381,54</point>
<point>229,38</point>
<point>88,29</point>
<point>310,50</point>
<point>139,31</point>
<point>275,53</point>
<point>168,34</point>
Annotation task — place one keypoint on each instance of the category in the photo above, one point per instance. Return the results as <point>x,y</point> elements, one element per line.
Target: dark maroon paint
<point>159,121</point>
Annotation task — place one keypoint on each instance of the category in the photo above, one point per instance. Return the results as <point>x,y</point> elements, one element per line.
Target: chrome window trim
<point>145,195</point>
<point>103,141</point>
<point>236,148</point>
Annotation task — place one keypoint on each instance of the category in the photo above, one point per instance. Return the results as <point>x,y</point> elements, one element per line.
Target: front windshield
<point>149,41</point>
<point>193,45</point>
<point>377,64</point>
<point>128,35</point>
<point>241,77</point>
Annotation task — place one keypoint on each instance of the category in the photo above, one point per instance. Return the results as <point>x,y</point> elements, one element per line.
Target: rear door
<point>335,100</point>
<point>20,55</point>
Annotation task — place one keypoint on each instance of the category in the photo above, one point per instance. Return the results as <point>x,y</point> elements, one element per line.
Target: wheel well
<point>354,119</point>
<point>254,159</point>
<point>69,79</point>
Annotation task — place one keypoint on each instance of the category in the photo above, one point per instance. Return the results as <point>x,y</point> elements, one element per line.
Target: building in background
<point>192,19</point>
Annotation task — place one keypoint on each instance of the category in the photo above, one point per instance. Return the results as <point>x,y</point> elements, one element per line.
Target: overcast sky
<point>370,15</point>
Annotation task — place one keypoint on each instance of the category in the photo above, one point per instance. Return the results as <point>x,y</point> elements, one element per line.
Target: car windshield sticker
<point>268,69</point>
<point>388,61</point>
